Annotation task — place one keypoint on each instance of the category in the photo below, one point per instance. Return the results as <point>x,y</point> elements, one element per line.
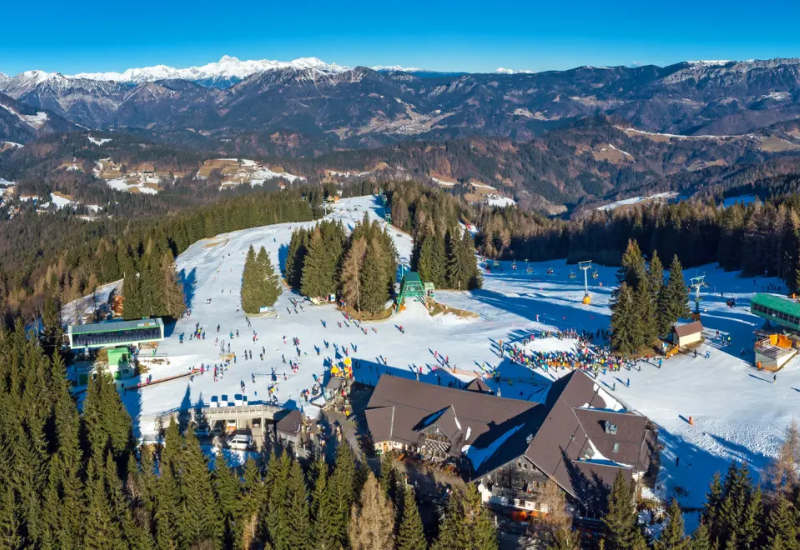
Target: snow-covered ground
<point>61,201</point>
<point>634,200</point>
<point>125,184</point>
<point>499,200</point>
<point>737,412</point>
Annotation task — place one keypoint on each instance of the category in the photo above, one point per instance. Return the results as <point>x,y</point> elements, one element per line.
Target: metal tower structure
<point>585,266</point>
<point>697,283</point>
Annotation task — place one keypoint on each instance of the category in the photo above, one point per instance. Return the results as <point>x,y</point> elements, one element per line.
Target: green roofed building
<point>777,310</point>
<point>114,333</point>
<point>411,287</point>
<point>119,363</point>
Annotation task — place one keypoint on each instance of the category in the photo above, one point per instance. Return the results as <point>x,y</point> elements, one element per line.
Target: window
<point>610,428</point>
<point>616,447</point>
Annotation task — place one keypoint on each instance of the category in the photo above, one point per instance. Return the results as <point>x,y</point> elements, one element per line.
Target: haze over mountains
<point>524,133</point>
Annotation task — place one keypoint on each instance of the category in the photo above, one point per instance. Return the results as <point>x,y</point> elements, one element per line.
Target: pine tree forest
<point>358,269</point>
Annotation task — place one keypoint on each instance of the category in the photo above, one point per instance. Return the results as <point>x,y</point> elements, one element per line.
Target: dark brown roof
<point>414,402</point>
<point>689,328</point>
<point>573,442</point>
<point>566,437</point>
<point>290,423</point>
<point>478,385</point>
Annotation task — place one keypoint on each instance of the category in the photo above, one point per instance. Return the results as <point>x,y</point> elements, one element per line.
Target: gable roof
<point>566,437</point>
<point>290,423</point>
<point>478,385</point>
<point>412,402</point>
<point>688,329</point>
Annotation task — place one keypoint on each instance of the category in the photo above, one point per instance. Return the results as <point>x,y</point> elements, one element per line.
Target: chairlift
<point>595,274</point>
<point>550,271</point>
<point>529,269</point>
<point>572,274</point>
<point>496,264</point>
<point>514,264</point>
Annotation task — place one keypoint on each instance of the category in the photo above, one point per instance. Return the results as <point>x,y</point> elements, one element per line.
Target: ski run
<point>736,411</point>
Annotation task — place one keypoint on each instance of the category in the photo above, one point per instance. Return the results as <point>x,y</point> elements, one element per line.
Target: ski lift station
<point>779,339</point>
<point>116,337</point>
<point>412,287</point>
<point>114,333</point>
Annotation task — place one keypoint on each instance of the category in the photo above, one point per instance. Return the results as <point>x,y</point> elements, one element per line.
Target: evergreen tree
<point>620,520</point>
<point>711,507</point>
<point>673,535</point>
<point>410,535</point>
<point>453,534</point>
<point>374,292</point>
<point>626,335</point>
<point>198,523</point>
<point>387,475</point>
<point>432,261</point>
<point>131,291</point>
<point>700,540</point>
<point>228,492</point>
<point>372,522</point>
<point>277,518</point>
<point>781,525</point>
<point>466,523</point>
<point>52,334</point>
<point>482,531</point>
<point>296,510</point>
<point>633,268</point>
<point>318,279</point>
<point>646,314</point>
<point>470,265</point>
<point>295,257</point>
<point>270,282</point>
<point>250,283</point>
<point>675,296</point>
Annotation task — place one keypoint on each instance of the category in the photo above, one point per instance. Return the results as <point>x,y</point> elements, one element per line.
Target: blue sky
<point>90,35</point>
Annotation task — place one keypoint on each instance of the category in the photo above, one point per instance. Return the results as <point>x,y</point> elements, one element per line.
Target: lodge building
<point>579,437</point>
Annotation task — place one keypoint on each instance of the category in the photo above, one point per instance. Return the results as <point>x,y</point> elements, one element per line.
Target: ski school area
<point>710,407</point>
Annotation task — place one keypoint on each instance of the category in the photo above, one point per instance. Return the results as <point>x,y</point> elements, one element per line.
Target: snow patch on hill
<point>497,200</point>
<point>99,141</point>
<point>634,200</point>
<point>36,121</point>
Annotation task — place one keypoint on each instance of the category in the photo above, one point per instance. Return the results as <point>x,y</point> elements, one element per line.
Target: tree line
<point>360,268</point>
<point>757,238</point>
<point>79,480</point>
<point>443,252</point>
<point>55,255</point>
<point>738,513</point>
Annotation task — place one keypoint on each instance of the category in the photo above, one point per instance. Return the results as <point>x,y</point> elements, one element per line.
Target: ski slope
<point>737,412</point>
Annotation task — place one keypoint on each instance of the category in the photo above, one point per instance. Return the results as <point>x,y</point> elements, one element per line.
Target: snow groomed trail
<point>737,412</point>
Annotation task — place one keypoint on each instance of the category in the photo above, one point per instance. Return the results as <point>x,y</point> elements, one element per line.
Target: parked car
<point>240,442</point>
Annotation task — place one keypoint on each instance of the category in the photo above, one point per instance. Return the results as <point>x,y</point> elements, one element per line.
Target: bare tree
<point>372,522</point>
<point>782,476</point>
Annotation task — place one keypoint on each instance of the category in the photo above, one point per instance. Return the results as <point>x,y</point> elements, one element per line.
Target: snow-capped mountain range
<point>228,69</point>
